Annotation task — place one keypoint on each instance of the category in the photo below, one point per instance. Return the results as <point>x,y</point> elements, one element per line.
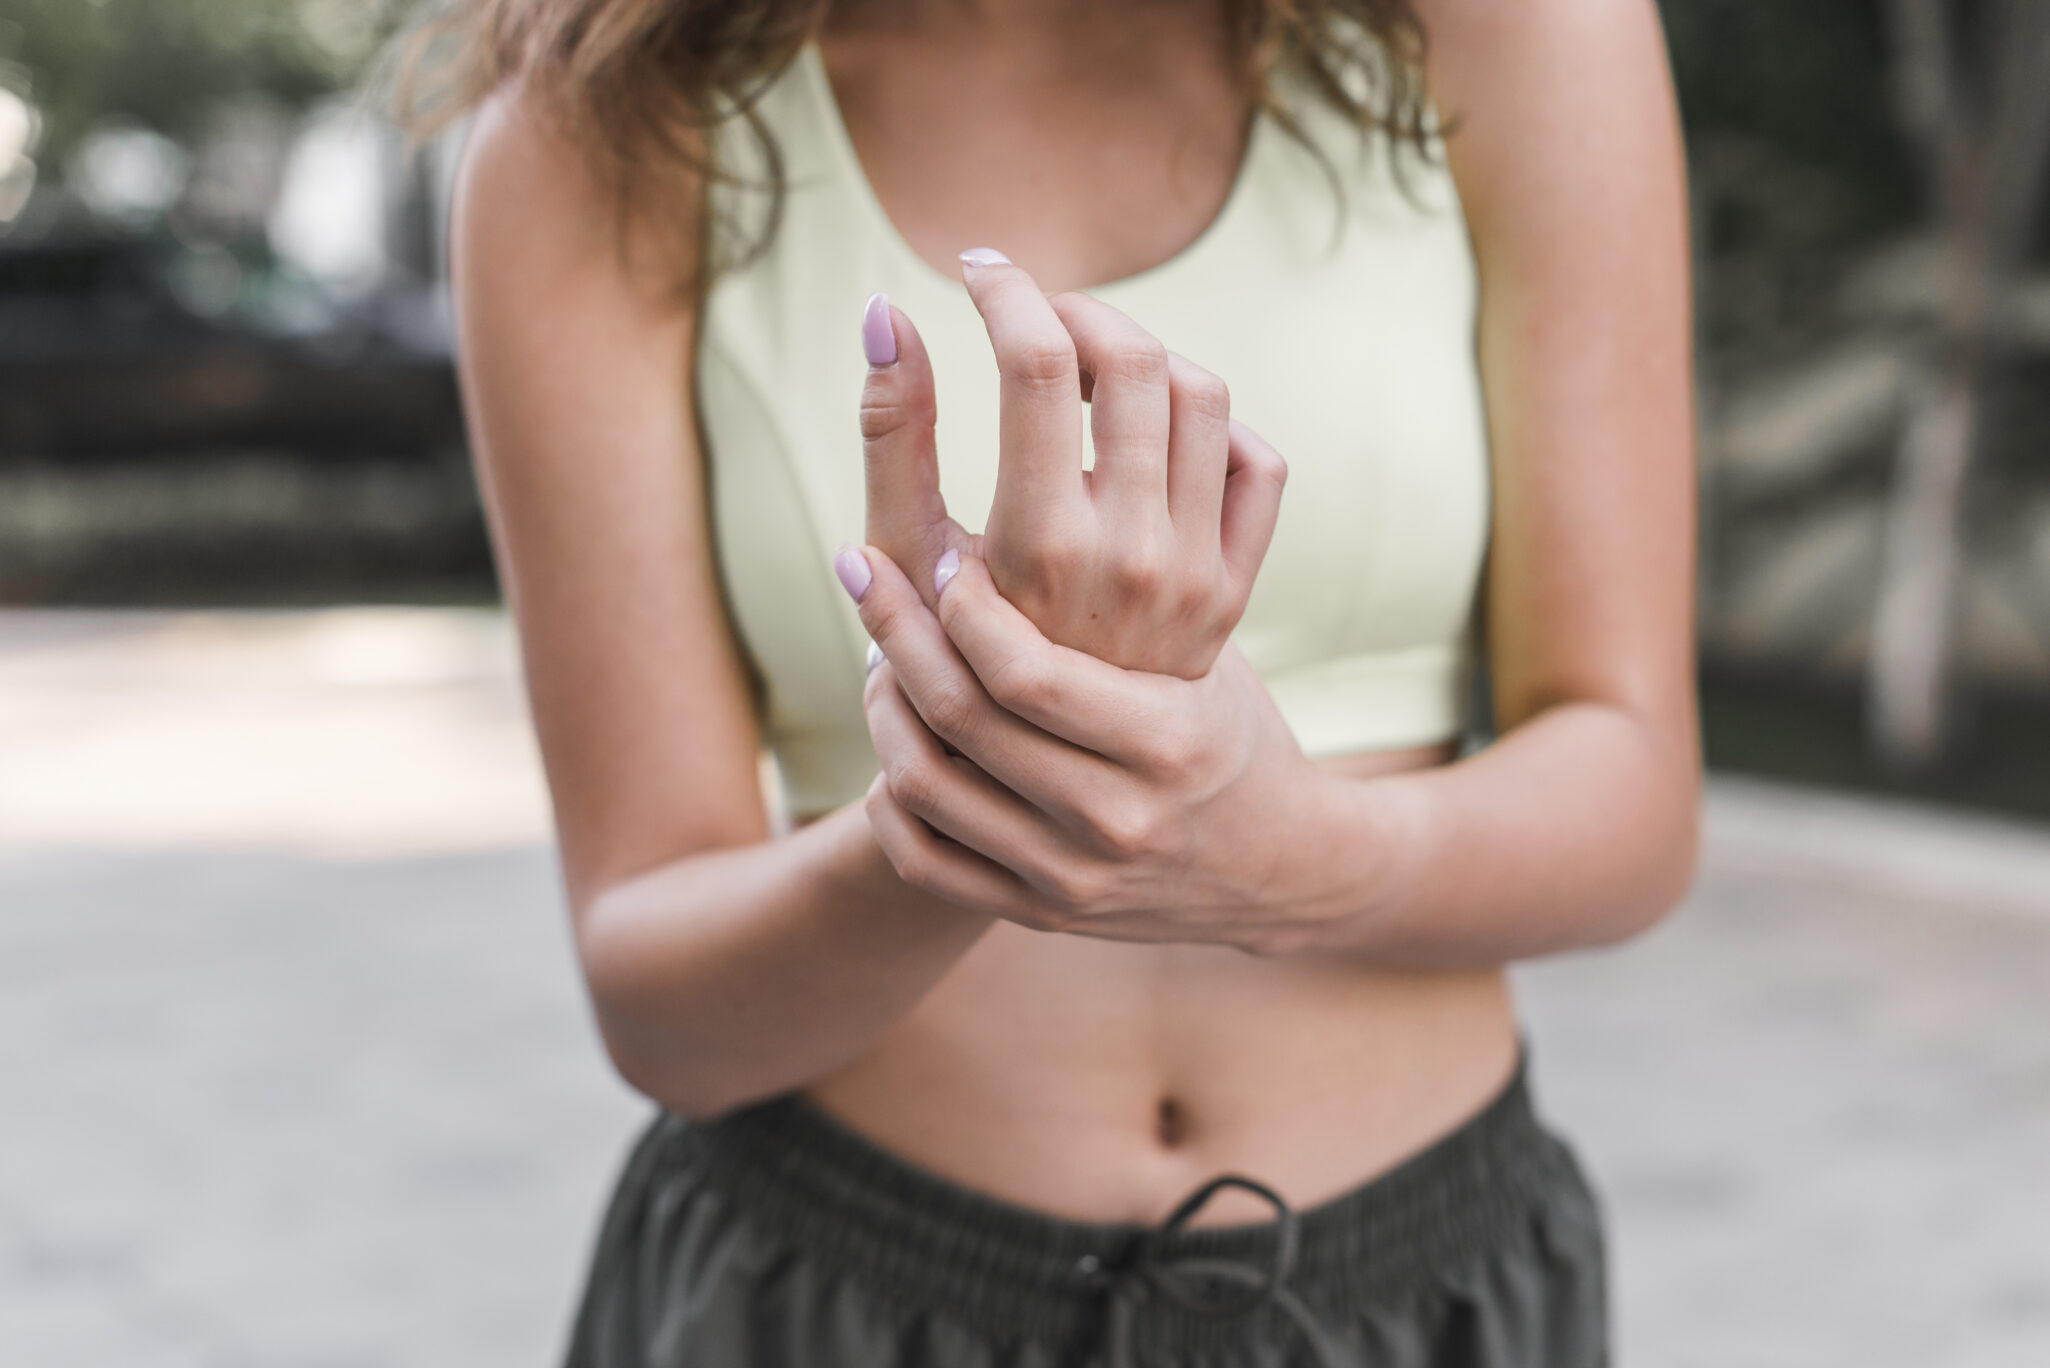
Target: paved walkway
<point>297,1073</point>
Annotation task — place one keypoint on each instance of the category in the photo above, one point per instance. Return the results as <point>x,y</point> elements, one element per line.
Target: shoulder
<point>1532,38</point>
<point>1549,96</point>
<point>531,197</point>
<point>519,164</point>
<point>1550,83</point>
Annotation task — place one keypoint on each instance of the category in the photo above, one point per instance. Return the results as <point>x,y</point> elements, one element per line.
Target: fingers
<point>1040,469</point>
<point>1252,500</point>
<point>1122,715</point>
<point>1129,407</point>
<point>1199,443</point>
<point>907,518</point>
<point>924,859</point>
<point>1043,770</point>
<point>948,794</point>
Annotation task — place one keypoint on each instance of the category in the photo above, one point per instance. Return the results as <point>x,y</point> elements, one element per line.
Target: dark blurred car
<point>112,346</point>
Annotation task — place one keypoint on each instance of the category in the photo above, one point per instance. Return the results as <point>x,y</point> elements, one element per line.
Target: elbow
<point>1659,819</point>
<point>1683,860</point>
<point>1665,874</point>
<point>644,1021</point>
<point>664,1059</point>
<point>655,1073</point>
<point>1666,888</point>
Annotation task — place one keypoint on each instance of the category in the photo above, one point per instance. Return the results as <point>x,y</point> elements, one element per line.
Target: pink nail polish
<point>852,568</point>
<point>948,567</point>
<point>984,256</point>
<point>878,338</point>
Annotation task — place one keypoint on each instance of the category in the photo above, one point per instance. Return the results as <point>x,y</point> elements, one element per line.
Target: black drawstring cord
<point>1206,1286</point>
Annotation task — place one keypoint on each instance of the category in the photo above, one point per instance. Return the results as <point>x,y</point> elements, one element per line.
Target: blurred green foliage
<point>167,63</point>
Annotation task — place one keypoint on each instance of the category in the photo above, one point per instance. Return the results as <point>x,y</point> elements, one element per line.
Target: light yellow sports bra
<point>1354,358</point>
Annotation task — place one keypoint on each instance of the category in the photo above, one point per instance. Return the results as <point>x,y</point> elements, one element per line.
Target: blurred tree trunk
<point>1982,135</point>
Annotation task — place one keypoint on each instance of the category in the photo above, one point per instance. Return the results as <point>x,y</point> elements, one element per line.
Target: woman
<point>1082,905</point>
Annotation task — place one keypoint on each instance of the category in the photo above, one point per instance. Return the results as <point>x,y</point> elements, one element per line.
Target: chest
<point>1093,160</point>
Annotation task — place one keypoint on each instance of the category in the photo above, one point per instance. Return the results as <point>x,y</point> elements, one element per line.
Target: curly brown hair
<point>637,84</point>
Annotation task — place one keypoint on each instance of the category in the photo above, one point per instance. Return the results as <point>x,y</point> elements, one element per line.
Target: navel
<point>1170,1123</point>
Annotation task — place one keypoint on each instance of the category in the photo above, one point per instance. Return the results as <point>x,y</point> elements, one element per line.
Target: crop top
<point>1347,339</point>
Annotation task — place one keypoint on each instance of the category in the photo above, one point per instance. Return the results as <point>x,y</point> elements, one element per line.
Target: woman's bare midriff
<point>1101,1081</point>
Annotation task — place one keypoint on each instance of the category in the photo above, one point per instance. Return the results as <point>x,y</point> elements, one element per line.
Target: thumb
<point>907,519</point>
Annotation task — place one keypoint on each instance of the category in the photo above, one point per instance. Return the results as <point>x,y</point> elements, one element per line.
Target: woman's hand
<point>1145,561</point>
<point>1025,773</point>
<point>1040,784</point>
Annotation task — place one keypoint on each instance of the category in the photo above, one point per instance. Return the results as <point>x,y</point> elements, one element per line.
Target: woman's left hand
<point>1080,797</point>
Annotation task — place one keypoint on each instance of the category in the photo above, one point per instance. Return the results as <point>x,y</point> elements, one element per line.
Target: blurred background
<point>295,1064</point>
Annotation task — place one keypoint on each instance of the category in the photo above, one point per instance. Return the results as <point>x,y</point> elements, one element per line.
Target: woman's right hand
<point>1146,560</point>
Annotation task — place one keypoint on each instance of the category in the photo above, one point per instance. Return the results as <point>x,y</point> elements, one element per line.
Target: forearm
<point>732,975</point>
<point>1576,828</point>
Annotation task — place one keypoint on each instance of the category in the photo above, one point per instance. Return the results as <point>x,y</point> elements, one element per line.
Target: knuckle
<point>877,802</point>
<point>914,867</point>
<point>950,711</point>
<point>885,411</point>
<point>1077,888</point>
<point>1045,362</point>
<point>1207,395</point>
<point>1195,599</point>
<point>1139,570</point>
<point>1125,830</point>
<point>1172,753</point>
<point>880,418</point>
<point>1034,597</point>
<point>1020,683</point>
<point>1043,559</point>
<point>1140,360</point>
<point>915,786</point>
<point>1051,556</point>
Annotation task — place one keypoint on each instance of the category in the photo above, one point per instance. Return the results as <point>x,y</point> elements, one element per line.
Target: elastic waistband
<point>921,1240</point>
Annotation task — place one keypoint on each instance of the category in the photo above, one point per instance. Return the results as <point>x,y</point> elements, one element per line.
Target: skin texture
<point>1101,1069</point>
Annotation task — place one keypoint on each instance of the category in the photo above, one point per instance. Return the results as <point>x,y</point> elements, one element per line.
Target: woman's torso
<point>1086,1078</point>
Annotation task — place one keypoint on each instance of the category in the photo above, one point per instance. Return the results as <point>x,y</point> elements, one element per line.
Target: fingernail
<point>852,568</point>
<point>875,657</point>
<point>984,256</point>
<point>878,338</point>
<point>949,566</point>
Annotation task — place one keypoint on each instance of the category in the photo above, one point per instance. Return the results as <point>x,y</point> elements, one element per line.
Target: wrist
<point>1347,861</point>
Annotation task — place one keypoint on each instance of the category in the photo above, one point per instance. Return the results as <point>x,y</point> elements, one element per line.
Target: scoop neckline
<point>813,61</point>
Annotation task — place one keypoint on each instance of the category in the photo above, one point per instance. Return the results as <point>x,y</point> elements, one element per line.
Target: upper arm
<point>1568,160</point>
<point>575,367</point>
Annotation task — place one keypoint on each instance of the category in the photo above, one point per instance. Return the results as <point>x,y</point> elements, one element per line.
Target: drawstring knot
<point>1203,1285</point>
